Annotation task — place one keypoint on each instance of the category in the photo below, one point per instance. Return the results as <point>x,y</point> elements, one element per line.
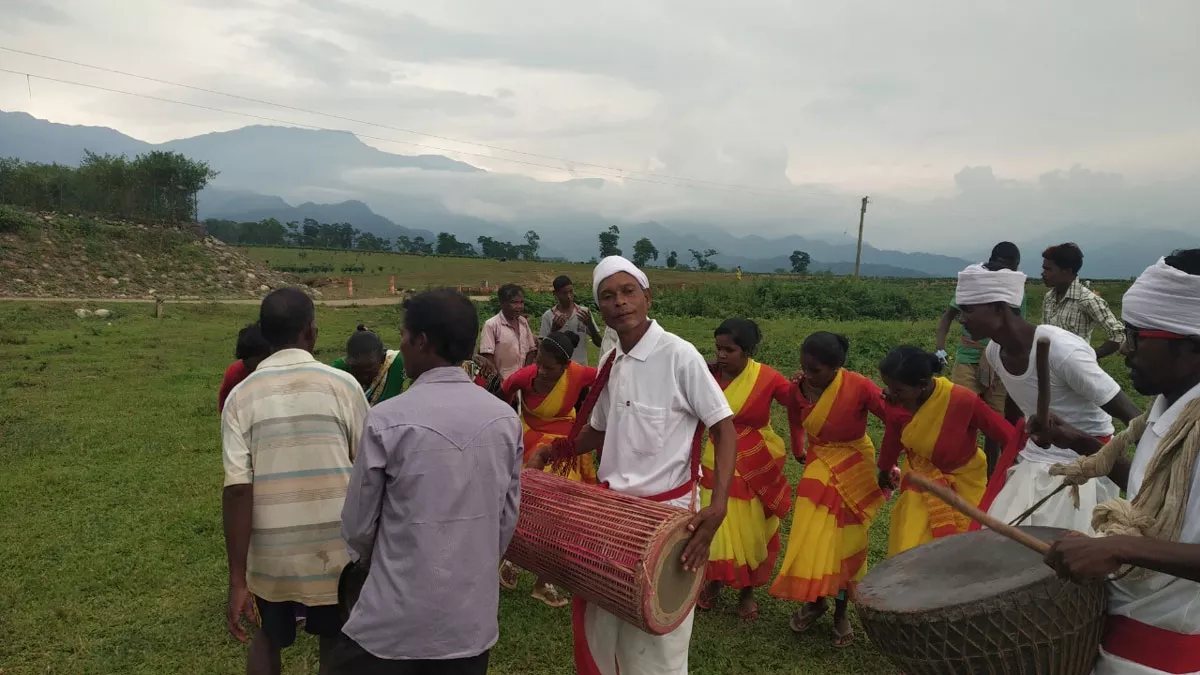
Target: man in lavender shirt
<point>431,507</point>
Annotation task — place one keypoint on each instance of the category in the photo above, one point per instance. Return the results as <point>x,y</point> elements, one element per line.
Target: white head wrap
<point>977,285</point>
<point>1164,298</point>
<point>612,265</point>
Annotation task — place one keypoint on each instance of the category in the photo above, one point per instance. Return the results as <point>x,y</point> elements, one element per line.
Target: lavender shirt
<point>431,507</point>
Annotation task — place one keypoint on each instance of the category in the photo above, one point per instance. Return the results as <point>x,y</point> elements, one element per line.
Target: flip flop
<point>706,600</point>
<point>509,577</point>
<point>843,640</point>
<point>805,618</point>
<point>549,595</point>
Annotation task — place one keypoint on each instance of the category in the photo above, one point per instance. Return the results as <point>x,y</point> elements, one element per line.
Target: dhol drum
<point>978,603</point>
<point>620,552</point>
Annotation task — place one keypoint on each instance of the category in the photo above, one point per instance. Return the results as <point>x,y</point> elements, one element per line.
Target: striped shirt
<point>291,429</point>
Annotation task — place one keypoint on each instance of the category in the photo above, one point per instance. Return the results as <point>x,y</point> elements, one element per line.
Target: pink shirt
<point>507,342</point>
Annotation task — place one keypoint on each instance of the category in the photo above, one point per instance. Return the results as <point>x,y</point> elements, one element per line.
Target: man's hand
<point>241,606</point>
<point>1053,431</point>
<point>539,459</point>
<point>1078,557</point>
<point>703,527</point>
<point>485,365</point>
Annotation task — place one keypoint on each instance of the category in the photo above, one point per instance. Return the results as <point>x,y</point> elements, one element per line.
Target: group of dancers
<point>656,420</point>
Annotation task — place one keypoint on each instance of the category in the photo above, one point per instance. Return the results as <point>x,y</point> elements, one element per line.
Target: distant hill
<point>249,206</point>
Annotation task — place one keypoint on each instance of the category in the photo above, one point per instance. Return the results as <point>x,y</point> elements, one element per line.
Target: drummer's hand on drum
<point>539,459</point>
<point>703,527</point>
<point>1078,557</point>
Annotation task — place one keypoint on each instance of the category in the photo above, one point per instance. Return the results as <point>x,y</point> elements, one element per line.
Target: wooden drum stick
<point>962,506</point>
<point>1043,382</point>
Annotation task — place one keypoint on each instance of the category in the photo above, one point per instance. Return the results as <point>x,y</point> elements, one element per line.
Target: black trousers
<point>350,659</point>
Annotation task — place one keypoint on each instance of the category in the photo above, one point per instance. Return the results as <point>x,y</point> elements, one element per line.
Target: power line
<point>391,127</point>
<point>360,135</point>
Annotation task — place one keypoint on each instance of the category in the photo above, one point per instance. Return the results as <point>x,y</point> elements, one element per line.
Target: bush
<point>15,220</point>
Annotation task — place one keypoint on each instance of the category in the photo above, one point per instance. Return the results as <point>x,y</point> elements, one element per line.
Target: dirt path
<point>346,302</point>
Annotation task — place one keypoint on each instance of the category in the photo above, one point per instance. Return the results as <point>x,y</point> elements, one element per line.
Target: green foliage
<point>644,251</point>
<point>672,260</point>
<point>448,244</point>
<point>15,220</point>
<point>800,262</point>
<point>303,269</point>
<point>608,241</point>
<point>702,259</point>
<point>413,245</point>
<point>155,186</point>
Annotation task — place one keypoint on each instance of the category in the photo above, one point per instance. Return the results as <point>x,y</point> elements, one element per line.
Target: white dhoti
<point>620,648</point>
<point>1030,481</point>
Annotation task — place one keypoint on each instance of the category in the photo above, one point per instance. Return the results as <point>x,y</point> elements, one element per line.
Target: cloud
<point>829,100</point>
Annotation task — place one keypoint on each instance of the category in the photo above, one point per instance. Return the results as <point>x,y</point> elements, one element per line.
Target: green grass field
<point>421,272</point>
<point>110,526</point>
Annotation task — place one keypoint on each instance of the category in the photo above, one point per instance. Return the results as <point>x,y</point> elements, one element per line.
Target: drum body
<point>620,552</point>
<point>980,603</point>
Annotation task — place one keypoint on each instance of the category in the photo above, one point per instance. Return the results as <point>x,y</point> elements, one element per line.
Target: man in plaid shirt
<point>1072,306</point>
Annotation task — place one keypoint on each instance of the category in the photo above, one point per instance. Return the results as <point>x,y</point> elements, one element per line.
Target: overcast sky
<point>844,98</point>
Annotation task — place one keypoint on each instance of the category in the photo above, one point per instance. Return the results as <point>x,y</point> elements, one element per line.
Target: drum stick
<point>962,506</point>
<point>1043,382</point>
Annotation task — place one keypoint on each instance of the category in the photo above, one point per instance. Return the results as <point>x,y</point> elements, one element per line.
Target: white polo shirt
<point>655,397</point>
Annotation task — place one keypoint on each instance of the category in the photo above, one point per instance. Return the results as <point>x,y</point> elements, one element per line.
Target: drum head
<point>673,590</point>
<point>956,570</point>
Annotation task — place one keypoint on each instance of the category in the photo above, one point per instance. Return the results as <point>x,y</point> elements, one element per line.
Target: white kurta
<point>1160,600</point>
<point>1078,389</point>
<point>656,394</point>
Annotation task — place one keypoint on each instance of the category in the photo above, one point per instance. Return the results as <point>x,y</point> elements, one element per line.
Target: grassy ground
<point>422,272</point>
<point>110,523</point>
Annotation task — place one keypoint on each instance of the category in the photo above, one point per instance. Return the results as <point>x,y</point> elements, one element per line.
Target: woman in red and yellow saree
<point>838,496</point>
<point>744,548</point>
<point>936,424</point>
<point>549,390</point>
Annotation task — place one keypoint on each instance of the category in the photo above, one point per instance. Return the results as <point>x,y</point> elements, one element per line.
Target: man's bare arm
<point>1121,407</point>
<point>943,328</point>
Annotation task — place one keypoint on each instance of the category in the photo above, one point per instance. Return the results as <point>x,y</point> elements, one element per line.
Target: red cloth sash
<point>1150,646</point>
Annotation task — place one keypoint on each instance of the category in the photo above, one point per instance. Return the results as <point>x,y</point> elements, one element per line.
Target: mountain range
<point>332,176</point>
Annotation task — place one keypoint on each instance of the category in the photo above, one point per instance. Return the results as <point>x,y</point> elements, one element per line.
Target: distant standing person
<point>971,370</point>
<point>380,371</point>
<point>431,508</point>
<point>290,432</point>
<point>1073,307</point>
<point>251,349</point>
<point>568,316</point>
<point>507,343</point>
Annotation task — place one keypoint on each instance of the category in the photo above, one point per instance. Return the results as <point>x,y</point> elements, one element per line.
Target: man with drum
<point>1154,609</point>
<point>1081,393</point>
<point>649,397</point>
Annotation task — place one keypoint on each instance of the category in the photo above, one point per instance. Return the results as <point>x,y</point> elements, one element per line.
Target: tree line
<point>311,233</point>
<point>154,186</point>
<point>644,251</point>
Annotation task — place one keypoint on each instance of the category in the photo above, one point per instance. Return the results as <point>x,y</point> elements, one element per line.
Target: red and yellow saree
<point>545,417</point>
<point>838,496</point>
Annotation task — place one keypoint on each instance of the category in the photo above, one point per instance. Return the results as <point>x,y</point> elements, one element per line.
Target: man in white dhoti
<point>655,389</point>
<point>1154,610</point>
<point>1081,394</point>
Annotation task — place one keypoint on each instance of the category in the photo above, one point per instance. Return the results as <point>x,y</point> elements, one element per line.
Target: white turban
<point>1164,298</point>
<point>612,265</point>
<point>977,285</point>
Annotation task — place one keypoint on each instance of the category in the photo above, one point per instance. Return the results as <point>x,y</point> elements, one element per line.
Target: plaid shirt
<point>1079,311</point>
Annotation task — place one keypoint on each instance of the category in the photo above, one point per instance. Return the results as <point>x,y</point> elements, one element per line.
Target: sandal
<point>549,595</point>
<point>805,618</point>
<point>843,640</point>
<point>508,575</point>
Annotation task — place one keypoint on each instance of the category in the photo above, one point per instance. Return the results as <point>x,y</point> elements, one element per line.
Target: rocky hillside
<point>63,255</point>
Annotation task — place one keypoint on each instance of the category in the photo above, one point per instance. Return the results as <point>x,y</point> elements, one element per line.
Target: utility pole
<point>861,216</point>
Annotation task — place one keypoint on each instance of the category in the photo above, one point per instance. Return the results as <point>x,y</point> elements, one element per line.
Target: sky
<point>981,116</point>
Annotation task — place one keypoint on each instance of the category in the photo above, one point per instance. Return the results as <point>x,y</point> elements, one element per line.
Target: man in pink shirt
<point>507,343</point>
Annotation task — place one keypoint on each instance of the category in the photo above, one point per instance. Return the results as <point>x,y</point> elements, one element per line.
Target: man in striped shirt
<point>290,432</point>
